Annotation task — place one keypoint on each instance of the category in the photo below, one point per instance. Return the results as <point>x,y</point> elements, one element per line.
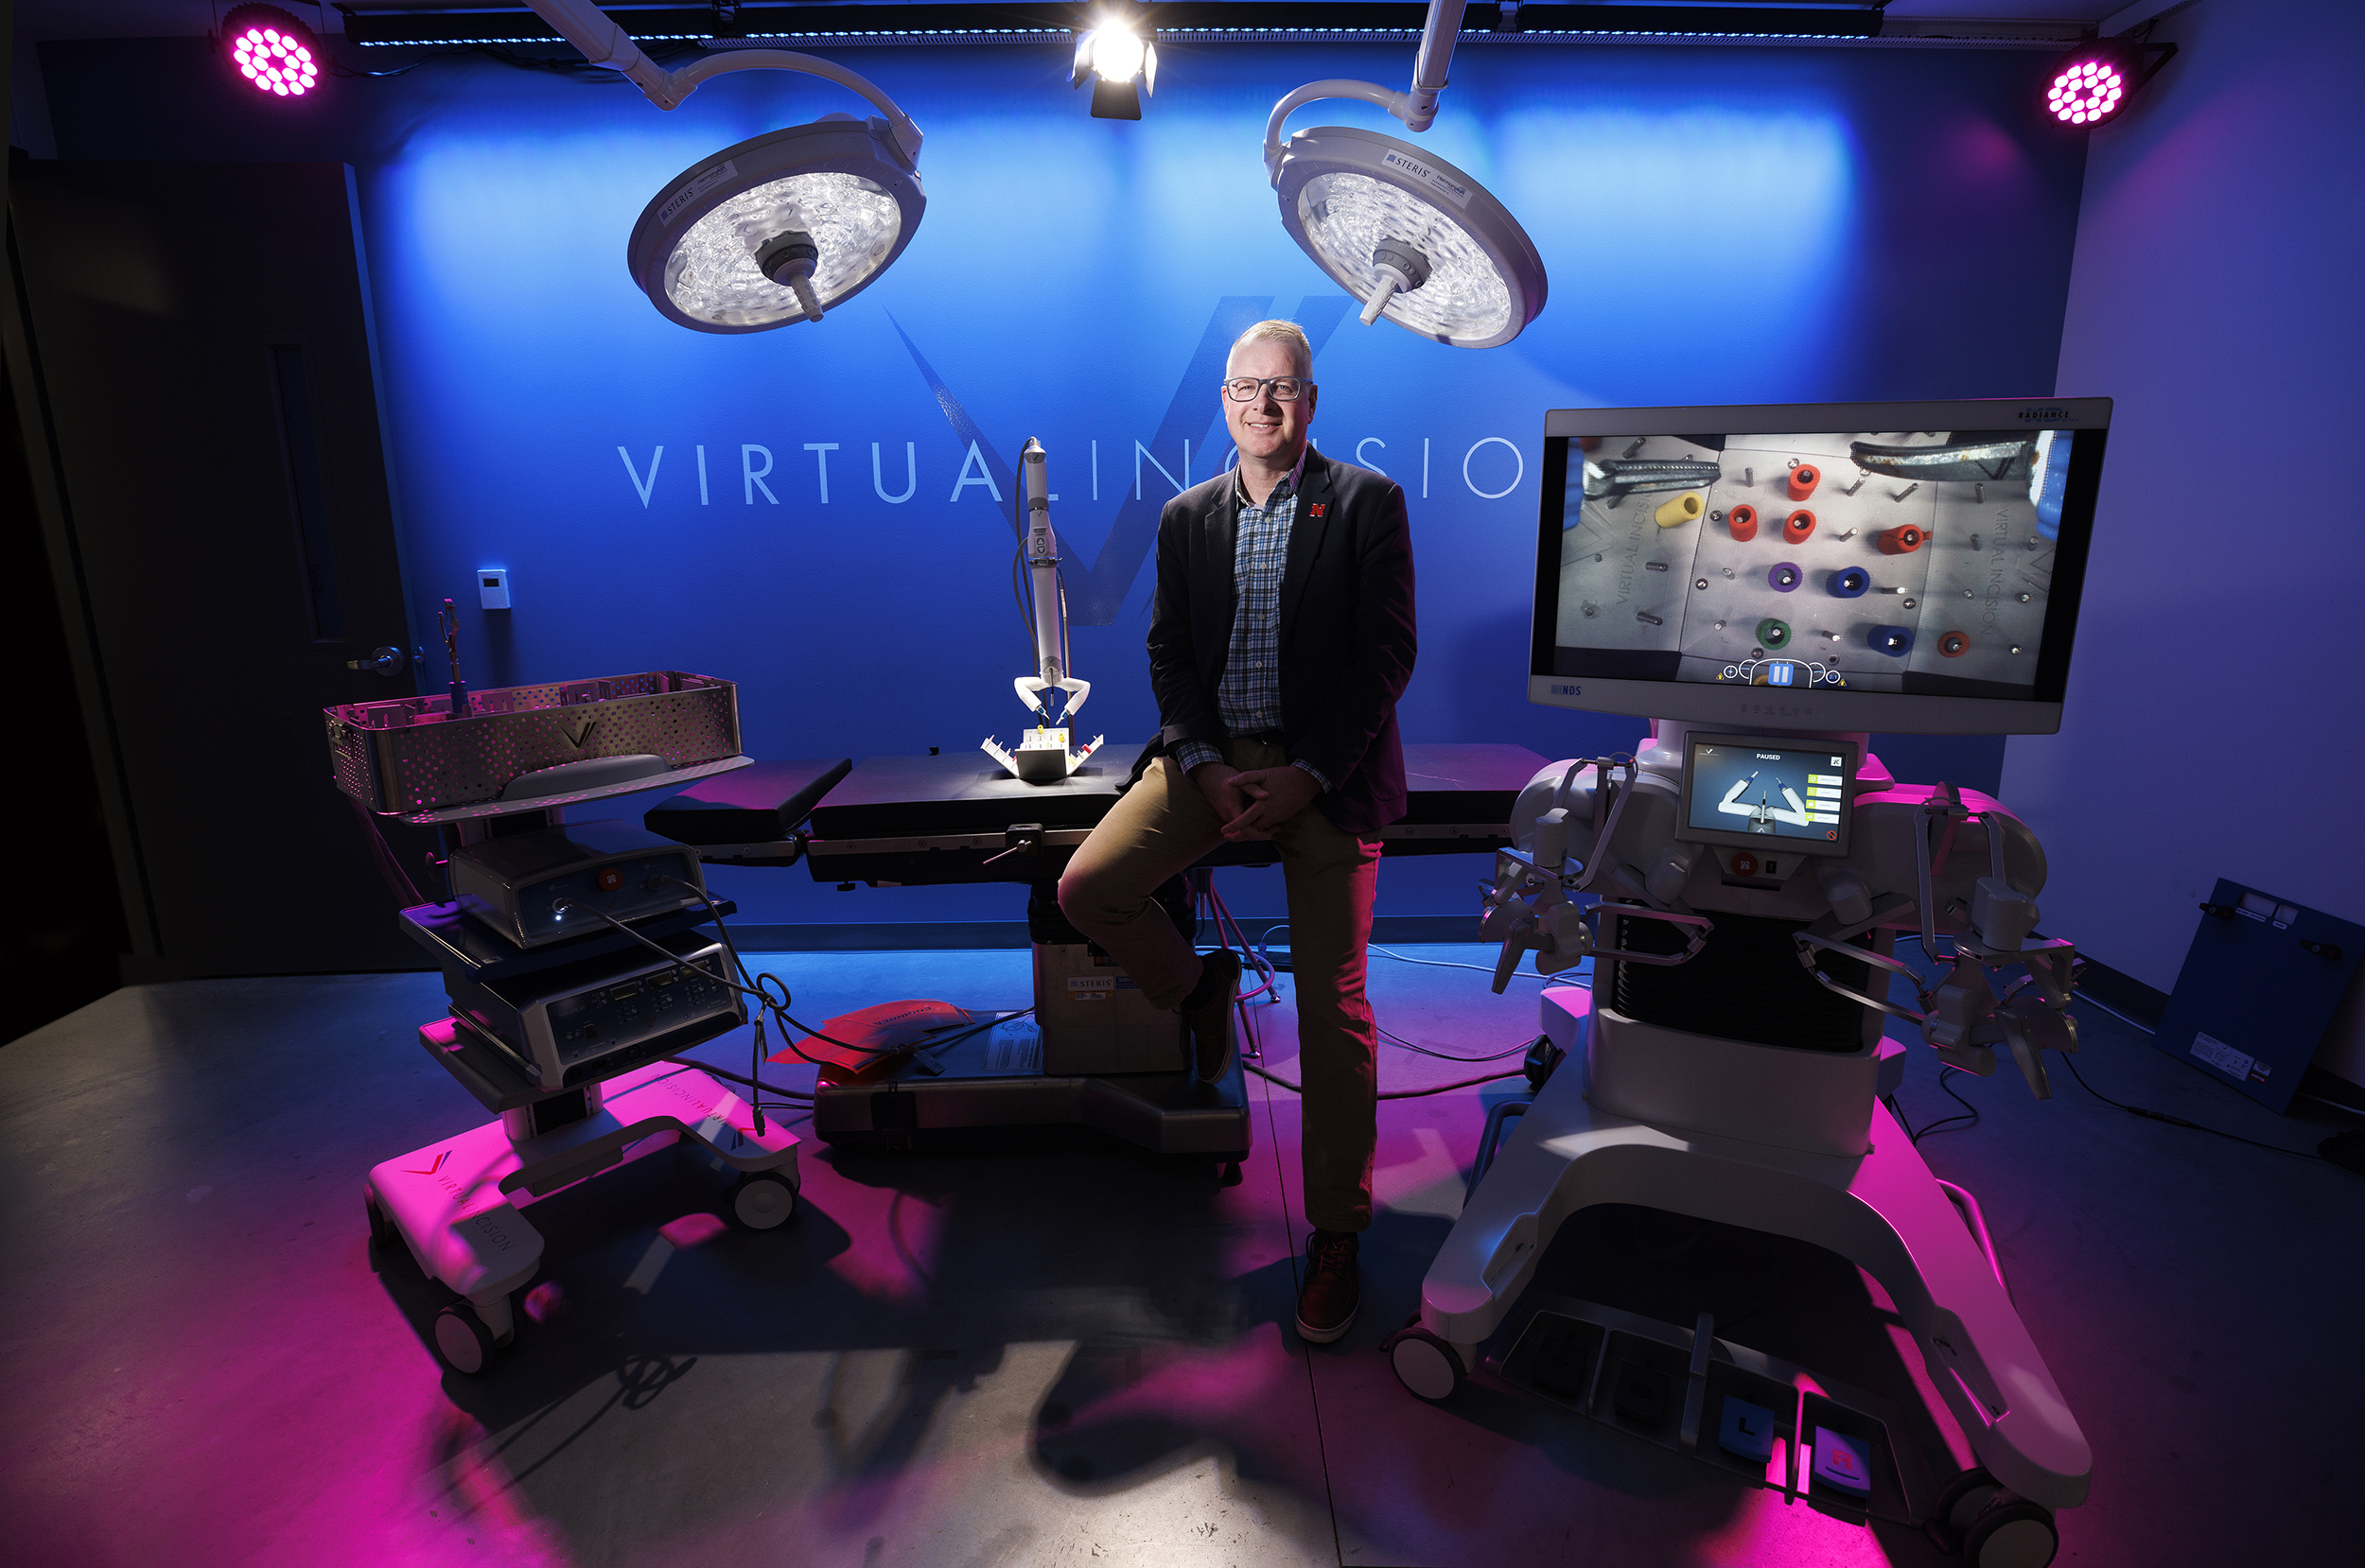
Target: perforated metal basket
<point>411,755</point>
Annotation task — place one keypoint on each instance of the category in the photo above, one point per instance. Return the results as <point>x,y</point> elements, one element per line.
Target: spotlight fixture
<point>1120,62</point>
<point>774,230</point>
<point>1414,237</point>
<point>2091,84</point>
<point>271,51</point>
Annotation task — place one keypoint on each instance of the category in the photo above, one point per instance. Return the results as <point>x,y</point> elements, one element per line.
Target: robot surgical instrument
<point>1045,753</point>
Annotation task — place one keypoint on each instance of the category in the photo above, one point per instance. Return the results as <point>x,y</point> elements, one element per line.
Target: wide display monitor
<point>1912,567</point>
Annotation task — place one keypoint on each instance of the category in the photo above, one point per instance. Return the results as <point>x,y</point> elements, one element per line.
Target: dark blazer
<point>1346,631</point>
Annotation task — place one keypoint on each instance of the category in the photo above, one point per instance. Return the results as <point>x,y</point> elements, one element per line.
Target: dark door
<point>199,343</point>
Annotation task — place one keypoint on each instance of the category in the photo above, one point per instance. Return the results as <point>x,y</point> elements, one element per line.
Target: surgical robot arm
<point>1050,596</point>
<point>1044,754</point>
<point>1605,827</point>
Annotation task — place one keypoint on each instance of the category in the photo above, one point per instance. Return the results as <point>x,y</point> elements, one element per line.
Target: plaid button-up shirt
<point>1247,698</point>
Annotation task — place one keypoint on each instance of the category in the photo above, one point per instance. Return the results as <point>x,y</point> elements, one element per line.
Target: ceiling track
<point>1208,23</point>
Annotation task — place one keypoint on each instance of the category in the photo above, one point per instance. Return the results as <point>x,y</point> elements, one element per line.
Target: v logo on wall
<point>1096,595</point>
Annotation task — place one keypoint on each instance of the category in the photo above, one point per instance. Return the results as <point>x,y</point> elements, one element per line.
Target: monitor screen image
<point>1757,792</point>
<point>1914,567</point>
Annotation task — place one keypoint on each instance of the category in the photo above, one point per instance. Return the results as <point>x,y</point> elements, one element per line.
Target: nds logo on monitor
<point>1567,691</point>
<point>2033,416</point>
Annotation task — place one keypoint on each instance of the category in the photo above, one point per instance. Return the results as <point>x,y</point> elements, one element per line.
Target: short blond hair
<point>1301,351</point>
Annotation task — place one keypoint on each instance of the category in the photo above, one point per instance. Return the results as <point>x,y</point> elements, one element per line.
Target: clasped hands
<point>1253,803</point>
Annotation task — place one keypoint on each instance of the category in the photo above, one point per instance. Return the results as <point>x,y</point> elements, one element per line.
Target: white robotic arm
<point>1606,827</point>
<point>1044,754</point>
<point>1050,596</point>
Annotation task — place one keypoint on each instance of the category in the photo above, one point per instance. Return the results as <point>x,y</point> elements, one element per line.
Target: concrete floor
<point>1056,1357</point>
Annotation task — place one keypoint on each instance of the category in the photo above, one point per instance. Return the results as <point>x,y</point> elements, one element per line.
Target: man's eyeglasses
<point>1285,389</point>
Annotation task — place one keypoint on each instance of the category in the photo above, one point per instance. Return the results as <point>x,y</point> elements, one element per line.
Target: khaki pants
<point>1163,825</point>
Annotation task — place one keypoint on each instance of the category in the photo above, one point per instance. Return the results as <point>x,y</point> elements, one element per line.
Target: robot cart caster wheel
<point>2011,1532</point>
<point>466,1344</point>
<point>761,1200</point>
<point>381,1230</point>
<point>1227,1173</point>
<point>1425,1365</point>
<point>1957,1506</point>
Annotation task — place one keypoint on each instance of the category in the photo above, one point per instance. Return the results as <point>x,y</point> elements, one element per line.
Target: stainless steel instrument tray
<point>411,755</point>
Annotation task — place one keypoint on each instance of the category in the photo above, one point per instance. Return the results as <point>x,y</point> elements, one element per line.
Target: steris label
<point>1452,190</point>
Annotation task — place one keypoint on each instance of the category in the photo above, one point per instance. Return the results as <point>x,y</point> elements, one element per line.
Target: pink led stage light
<point>2086,92</point>
<point>2091,84</point>
<point>271,51</point>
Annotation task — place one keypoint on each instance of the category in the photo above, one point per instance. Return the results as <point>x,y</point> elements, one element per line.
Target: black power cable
<point>2150,1115</point>
<point>1961,1122</point>
<point>1394,1094</point>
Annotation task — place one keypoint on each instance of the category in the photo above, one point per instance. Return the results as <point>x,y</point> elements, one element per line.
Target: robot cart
<point>455,1201</point>
<point>1767,1115</point>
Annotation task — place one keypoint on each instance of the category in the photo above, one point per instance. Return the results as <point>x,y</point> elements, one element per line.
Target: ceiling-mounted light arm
<point>1428,67</point>
<point>1416,107</point>
<point>1399,104</point>
<point>603,43</point>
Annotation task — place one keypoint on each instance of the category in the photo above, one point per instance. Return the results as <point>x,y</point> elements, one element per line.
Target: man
<point>1282,639</point>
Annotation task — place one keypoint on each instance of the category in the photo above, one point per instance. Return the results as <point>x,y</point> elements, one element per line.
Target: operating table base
<point>1882,1210</point>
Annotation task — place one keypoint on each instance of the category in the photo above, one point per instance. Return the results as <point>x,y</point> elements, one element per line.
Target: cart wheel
<point>2011,1532</point>
<point>1958,1505</point>
<point>1425,1365</point>
<point>761,1200</point>
<point>463,1341</point>
<point>381,1228</point>
<point>1227,1173</point>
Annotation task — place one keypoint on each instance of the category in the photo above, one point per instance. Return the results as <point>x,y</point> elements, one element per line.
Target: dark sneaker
<point>1326,1301</point>
<point>1211,1020</point>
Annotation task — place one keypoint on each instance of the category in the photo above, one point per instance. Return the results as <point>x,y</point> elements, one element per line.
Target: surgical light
<point>271,51</point>
<point>1414,237</point>
<point>2091,85</point>
<point>1121,65</point>
<point>776,229</point>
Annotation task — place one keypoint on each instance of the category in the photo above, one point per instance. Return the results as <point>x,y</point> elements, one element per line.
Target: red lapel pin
<point>1318,508</point>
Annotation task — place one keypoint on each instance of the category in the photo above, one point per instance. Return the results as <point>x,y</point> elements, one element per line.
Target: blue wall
<point>2217,282</point>
<point>1721,225</point>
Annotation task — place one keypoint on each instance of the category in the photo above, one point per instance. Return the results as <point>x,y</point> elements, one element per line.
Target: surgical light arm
<point>605,43</point>
<point>1416,106</point>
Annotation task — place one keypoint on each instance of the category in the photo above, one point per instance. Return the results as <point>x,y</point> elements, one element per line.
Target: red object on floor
<point>862,1045</point>
<point>1742,521</point>
<point>1803,479</point>
<point>1797,526</point>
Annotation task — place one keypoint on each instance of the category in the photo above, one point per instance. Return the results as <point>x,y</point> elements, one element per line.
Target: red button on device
<point>610,879</point>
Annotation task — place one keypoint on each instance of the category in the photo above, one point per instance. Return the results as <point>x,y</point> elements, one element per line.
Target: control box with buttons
<point>601,1015</point>
<point>547,886</point>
